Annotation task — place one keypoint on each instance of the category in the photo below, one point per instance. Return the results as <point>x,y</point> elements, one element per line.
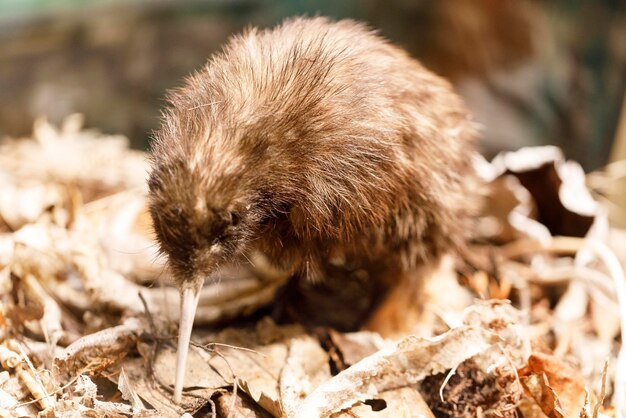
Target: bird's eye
<point>235,218</point>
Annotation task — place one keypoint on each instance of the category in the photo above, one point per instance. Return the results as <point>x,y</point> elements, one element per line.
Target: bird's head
<point>201,223</point>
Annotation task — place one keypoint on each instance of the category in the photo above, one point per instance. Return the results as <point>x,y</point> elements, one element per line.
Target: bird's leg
<point>189,295</point>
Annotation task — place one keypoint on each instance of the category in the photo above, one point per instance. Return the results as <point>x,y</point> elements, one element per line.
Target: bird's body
<point>311,141</point>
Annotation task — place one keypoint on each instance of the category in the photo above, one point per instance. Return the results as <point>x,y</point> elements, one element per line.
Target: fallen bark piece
<point>26,373</point>
<point>410,361</point>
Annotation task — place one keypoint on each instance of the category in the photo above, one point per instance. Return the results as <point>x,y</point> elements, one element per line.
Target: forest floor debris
<point>530,327</point>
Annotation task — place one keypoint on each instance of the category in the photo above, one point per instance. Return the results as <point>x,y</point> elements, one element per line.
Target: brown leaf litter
<point>87,321</point>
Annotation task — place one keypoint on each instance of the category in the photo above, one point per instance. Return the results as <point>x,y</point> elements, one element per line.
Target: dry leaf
<point>305,369</point>
<point>557,387</point>
<point>538,388</point>
<point>411,360</point>
<point>76,251</point>
<point>201,379</point>
<point>97,351</point>
<point>240,406</point>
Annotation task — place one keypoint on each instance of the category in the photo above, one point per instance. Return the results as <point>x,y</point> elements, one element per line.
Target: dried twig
<point>565,245</point>
<point>54,392</point>
<point>596,408</point>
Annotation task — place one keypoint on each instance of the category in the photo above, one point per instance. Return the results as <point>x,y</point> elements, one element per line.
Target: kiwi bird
<point>304,142</point>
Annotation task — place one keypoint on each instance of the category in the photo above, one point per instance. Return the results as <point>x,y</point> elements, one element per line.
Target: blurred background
<point>533,72</point>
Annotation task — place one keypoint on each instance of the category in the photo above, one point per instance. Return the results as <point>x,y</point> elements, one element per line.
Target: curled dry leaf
<point>51,319</point>
<point>538,388</point>
<point>555,385</point>
<point>257,358</point>
<point>564,205</point>
<point>128,392</point>
<point>398,403</point>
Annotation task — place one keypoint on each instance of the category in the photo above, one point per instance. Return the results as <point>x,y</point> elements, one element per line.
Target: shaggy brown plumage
<point>313,141</point>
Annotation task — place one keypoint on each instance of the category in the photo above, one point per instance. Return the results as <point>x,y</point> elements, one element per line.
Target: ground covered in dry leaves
<point>88,318</point>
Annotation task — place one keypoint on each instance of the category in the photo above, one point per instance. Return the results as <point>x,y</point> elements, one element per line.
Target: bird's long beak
<point>188,304</point>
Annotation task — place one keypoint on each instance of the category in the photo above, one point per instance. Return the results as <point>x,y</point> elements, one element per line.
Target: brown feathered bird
<point>312,140</point>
